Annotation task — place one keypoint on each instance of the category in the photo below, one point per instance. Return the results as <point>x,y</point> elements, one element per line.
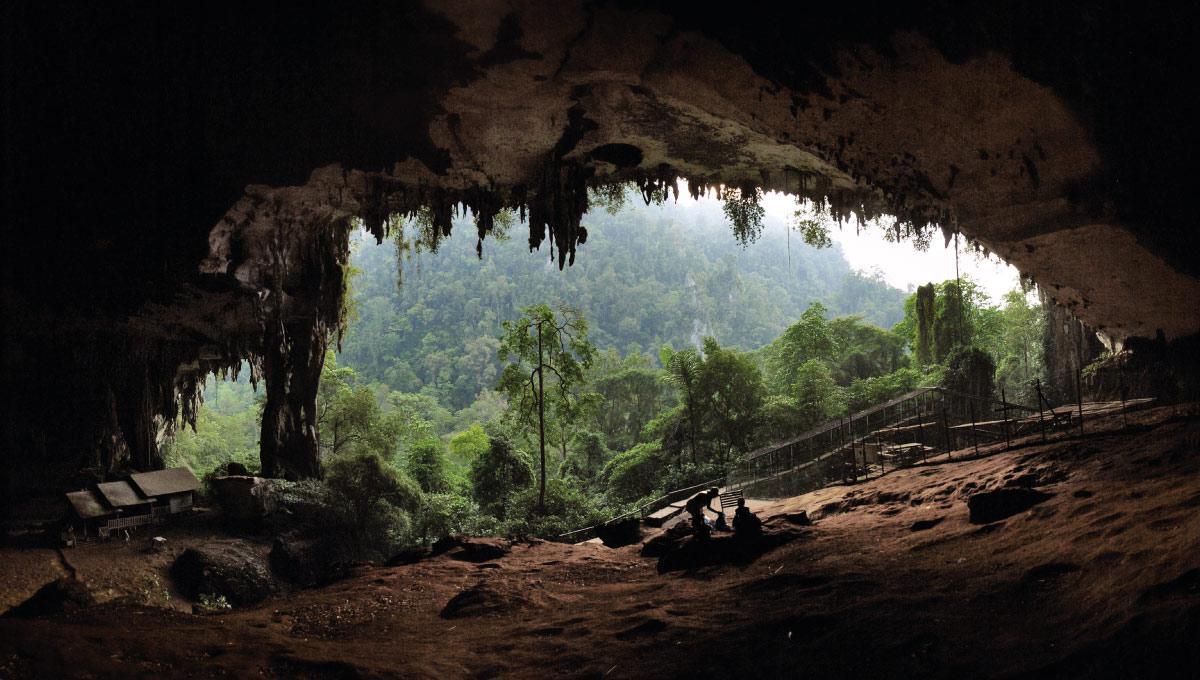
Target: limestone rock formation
<point>245,498</point>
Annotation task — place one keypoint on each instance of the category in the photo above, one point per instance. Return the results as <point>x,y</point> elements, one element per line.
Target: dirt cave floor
<point>1099,579</point>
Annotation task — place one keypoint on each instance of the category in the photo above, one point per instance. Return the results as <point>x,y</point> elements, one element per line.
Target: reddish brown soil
<point>1101,580</point>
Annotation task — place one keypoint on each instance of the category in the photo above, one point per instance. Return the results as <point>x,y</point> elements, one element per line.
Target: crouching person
<point>746,524</point>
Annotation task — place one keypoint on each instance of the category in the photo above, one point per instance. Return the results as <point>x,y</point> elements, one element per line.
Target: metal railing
<point>924,424</point>
<point>642,510</point>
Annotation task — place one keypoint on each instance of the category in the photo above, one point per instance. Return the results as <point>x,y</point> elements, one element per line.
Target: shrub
<point>448,514</point>
<point>427,465</point>
<point>469,444</point>
<point>567,508</point>
<point>636,472</point>
<point>371,502</point>
<point>500,471</point>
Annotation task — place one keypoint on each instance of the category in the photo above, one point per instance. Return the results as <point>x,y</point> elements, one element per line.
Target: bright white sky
<point>902,265</point>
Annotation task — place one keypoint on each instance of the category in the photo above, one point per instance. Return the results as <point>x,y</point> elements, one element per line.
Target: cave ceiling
<point>176,171</point>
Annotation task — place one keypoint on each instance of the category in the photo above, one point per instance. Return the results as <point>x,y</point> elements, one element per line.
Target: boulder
<point>481,599</point>
<point>798,518</point>
<point>992,506</point>
<point>444,544</point>
<point>619,534</point>
<point>694,553</point>
<point>236,469</point>
<point>60,596</point>
<point>666,541</point>
<point>244,497</point>
<point>408,556</point>
<point>231,568</point>
<point>481,549</point>
<point>307,562</point>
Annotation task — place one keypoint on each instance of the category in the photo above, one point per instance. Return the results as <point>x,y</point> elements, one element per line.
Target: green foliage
<point>635,473</point>
<point>652,276</point>
<point>720,395</point>
<point>937,326</point>
<point>922,307</point>
<point>812,223</point>
<point>372,503</point>
<point>631,392</point>
<point>862,350</point>
<point>1017,347</point>
<point>469,444</point>
<point>350,419</point>
<point>970,371</point>
<point>731,389</point>
<point>866,392</point>
<point>549,354</point>
<point>807,339</point>
<point>611,197</point>
<point>489,407</point>
<point>744,212</point>
<point>449,514</point>
<point>497,473</point>
<point>564,507</point>
<point>227,429</point>
<point>588,453</point>
<point>426,464</point>
<point>683,370</point>
<point>213,604</point>
<point>816,395</point>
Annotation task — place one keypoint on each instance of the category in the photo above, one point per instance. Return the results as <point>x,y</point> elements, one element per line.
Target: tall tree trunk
<point>541,400</point>
<point>292,367</point>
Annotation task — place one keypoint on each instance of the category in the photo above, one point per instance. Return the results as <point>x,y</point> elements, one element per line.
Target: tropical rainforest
<point>478,389</point>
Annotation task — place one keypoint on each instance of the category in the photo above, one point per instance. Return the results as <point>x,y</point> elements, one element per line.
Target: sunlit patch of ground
<point>1101,579</point>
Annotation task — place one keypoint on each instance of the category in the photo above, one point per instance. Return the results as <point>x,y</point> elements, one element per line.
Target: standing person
<point>696,506</point>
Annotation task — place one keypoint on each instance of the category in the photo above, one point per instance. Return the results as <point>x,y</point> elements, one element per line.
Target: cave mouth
<point>781,238</point>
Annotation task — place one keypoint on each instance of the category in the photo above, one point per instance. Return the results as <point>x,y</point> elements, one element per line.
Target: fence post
<point>921,430</point>
<point>1079,396</point>
<point>1004,403</point>
<point>974,434</point>
<point>1037,382</point>
<point>879,452</point>
<point>946,428</point>
<point>1124,397</point>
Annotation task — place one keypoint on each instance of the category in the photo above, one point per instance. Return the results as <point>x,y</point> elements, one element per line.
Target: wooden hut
<point>172,491</point>
<point>108,507</point>
<point>143,499</point>
<point>90,512</point>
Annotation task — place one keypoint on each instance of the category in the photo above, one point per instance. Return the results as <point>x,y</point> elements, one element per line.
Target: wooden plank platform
<point>663,515</point>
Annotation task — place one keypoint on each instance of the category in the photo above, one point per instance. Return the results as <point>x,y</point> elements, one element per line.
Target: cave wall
<point>180,179</point>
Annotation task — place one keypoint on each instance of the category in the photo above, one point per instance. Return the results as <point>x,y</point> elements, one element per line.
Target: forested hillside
<point>649,275</point>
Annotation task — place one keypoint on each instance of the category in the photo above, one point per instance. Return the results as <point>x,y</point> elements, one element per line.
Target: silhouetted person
<point>696,506</point>
<point>720,524</point>
<point>746,523</point>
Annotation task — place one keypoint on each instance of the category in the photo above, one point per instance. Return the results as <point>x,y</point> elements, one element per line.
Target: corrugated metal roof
<point>87,505</point>
<point>164,482</point>
<point>120,494</point>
